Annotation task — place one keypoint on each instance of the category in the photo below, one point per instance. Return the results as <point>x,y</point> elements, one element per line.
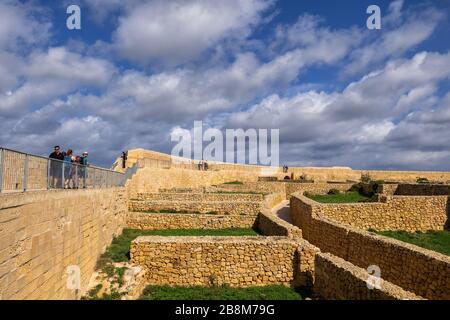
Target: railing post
<point>25,173</point>
<point>63,180</point>
<point>48,174</point>
<point>76,177</point>
<point>2,157</point>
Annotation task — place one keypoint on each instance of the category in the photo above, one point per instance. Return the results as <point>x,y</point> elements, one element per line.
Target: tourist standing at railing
<point>83,171</point>
<point>68,169</point>
<point>56,158</point>
<point>205,165</point>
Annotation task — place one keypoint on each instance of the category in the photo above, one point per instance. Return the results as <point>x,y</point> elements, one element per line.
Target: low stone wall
<point>337,279</point>
<point>415,269</point>
<point>287,188</point>
<point>200,197</point>
<point>159,221</point>
<point>235,261</point>
<point>271,200</point>
<point>396,213</point>
<point>415,189</point>
<point>315,188</point>
<point>43,233</point>
<point>241,214</point>
<point>260,186</point>
<point>218,207</point>
<point>153,179</point>
<point>270,225</point>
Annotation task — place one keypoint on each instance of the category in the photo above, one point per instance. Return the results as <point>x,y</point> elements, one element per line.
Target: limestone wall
<point>236,261</point>
<point>415,269</point>
<point>270,225</point>
<point>285,187</point>
<point>337,279</point>
<point>219,207</point>
<point>397,213</point>
<point>159,221</point>
<point>152,179</point>
<point>197,196</point>
<point>415,189</point>
<point>42,233</point>
<point>315,188</point>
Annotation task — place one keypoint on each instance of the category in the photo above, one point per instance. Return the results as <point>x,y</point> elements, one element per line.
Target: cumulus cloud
<point>178,31</point>
<point>172,62</point>
<point>402,30</point>
<point>370,122</point>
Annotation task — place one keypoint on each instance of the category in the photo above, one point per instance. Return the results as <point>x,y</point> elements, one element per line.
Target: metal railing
<point>20,172</point>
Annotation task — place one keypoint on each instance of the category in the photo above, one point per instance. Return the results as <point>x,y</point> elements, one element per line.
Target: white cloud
<point>179,31</point>
<point>401,31</point>
<point>20,25</point>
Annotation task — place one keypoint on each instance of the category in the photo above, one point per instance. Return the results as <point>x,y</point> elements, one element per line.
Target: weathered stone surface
<point>44,232</point>
<point>421,271</point>
<point>338,279</point>
<point>236,261</point>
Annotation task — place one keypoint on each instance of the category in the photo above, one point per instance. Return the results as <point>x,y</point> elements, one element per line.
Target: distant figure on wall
<point>124,159</point>
<point>56,175</point>
<point>205,165</point>
<point>285,168</point>
<point>200,165</point>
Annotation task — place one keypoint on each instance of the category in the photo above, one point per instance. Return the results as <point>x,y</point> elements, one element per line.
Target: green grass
<point>273,292</point>
<point>344,197</point>
<point>119,250</point>
<point>234,182</point>
<point>438,241</point>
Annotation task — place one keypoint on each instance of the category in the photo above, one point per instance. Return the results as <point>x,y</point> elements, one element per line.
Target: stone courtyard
<point>326,249</point>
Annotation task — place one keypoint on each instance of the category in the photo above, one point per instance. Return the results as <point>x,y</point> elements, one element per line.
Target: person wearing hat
<point>84,162</point>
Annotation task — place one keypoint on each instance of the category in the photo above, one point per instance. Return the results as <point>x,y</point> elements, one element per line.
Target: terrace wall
<point>337,279</point>
<point>43,233</point>
<point>236,261</point>
<point>409,213</point>
<point>415,269</point>
<point>415,189</point>
<point>158,221</point>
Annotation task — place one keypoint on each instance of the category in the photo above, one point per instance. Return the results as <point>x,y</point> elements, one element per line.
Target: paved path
<point>282,211</point>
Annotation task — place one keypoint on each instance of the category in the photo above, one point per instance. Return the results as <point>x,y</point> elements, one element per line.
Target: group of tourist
<point>203,165</point>
<point>67,169</point>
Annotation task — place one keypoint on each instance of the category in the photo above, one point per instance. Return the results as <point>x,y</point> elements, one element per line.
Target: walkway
<point>282,211</point>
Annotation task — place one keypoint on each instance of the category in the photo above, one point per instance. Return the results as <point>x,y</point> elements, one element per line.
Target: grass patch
<point>438,241</point>
<point>273,292</point>
<point>234,182</point>
<point>343,197</point>
<point>119,250</point>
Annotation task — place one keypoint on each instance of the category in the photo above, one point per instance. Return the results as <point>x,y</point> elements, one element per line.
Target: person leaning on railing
<point>56,179</point>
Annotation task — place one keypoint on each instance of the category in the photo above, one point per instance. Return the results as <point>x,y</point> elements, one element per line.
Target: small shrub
<point>422,180</point>
<point>365,178</point>
<point>356,188</point>
<point>334,191</point>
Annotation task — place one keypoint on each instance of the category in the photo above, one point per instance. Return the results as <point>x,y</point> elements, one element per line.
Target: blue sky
<point>341,95</point>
